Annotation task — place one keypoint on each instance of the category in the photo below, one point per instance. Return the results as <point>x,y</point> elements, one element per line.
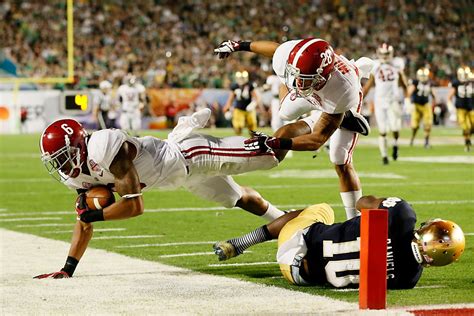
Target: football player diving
<point>313,250</point>
<point>317,80</point>
<point>200,163</point>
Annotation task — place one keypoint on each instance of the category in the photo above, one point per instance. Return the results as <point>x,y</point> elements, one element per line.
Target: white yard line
<point>117,284</point>
<point>96,230</point>
<point>127,237</point>
<point>192,254</point>
<point>169,244</point>
<point>21,219</point>
<point>45,225</point>
<point>241,264</point>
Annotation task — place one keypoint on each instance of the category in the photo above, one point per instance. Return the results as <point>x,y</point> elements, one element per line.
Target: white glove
<point>228,115</point>
<point>407,106</point>
<point>252,106</point>
<point>452,111</point>
<point>226,48</point>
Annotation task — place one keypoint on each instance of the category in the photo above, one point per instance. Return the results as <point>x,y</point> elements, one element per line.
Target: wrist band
<point>70,265</point>
<point>286,143</point>
<point>132,195</point>
<point>92,216</point>
<point>245,46</point>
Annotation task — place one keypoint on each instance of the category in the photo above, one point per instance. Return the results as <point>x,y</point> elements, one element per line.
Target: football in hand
<point>99,197</point>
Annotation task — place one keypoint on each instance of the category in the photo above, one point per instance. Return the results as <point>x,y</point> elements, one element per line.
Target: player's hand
<point>407,106</point>
<point>81,205</point>
<point>55,275</point>
<point>226,48</point>
<point>261,143</point>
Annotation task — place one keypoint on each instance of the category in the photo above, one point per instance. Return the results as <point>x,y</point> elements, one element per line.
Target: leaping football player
<point>320,81</point>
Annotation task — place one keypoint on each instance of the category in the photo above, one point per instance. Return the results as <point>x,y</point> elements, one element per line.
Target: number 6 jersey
<point>333,250</point>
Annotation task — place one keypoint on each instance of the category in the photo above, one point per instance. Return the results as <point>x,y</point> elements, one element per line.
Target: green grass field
<point>29,196</point>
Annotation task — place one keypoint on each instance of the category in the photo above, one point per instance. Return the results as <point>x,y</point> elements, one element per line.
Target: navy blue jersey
<point>464,93</point>
<point>422,92</point>
<point>333,250</point>
<point>243,95</point>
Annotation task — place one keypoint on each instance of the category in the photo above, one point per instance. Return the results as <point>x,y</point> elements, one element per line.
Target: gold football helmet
<point>463,73</point>
<point>242,77</point>
<point>423,74</point>
<point>438,242</point>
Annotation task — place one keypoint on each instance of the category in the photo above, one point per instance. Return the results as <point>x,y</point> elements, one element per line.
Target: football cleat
<point>225,250</point>
<point>385,160</point>
<point>355,122</point>
<point>395,153</point>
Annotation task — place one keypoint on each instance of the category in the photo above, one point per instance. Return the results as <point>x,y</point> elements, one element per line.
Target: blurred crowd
<point>169,43</point>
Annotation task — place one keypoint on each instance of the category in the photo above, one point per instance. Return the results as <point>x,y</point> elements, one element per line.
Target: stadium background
<point>168,45</point>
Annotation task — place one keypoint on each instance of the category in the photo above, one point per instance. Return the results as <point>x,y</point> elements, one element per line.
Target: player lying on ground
<point>317,80</point>
<point>312,250</point>
<point>200,163</point>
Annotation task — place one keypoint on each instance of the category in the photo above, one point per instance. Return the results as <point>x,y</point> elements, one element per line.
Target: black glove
<point>81,204</point>
<point>55,275</point>
<point>261,143</point>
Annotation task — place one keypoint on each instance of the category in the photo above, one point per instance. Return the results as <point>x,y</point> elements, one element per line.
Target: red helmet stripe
<point>302,49</point>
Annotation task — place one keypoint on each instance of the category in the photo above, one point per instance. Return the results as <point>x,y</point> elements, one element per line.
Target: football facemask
<point>64,163</point>
<point>303,84</point>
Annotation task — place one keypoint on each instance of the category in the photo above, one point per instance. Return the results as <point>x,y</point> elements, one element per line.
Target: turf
<point>436,190</point>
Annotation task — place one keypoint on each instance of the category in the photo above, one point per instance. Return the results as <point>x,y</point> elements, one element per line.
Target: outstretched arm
<point>264,48</point>
<point>81,236</point>
<point>323,129</point>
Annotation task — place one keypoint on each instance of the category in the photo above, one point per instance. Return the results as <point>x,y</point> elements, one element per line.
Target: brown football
<point>99,197</point>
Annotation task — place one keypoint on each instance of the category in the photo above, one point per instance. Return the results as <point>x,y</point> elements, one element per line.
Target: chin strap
<point>416,252</point>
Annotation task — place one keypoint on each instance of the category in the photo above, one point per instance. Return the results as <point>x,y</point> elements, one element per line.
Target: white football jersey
<point>158,163</point>
<point>130,96</point>
<point>274,82</point>
<point>386,77</point>
<point>340,93</point>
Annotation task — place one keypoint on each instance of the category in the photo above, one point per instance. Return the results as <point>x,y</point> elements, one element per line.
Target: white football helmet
<point>385,52</point>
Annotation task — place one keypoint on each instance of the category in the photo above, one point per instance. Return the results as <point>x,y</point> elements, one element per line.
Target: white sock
<point>395,142</point>
<point>383,145</point>
<point>349,200</point>
<point>272,213</point>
